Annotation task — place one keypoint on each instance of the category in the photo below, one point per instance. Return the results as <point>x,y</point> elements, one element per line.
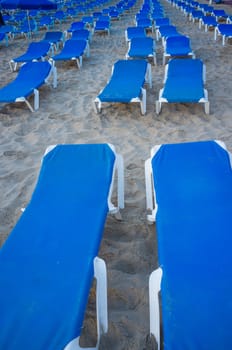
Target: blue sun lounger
<point>208,22</point>
<point>83,34</point>
<point>73,50</point>
<point>126,84</point>
<point>49,260</point>
<point>35,51</point>
<point>177,46</point>
<point>135,32</point>
<point>166,31</point>
<point>102,25</point>
<point>191,185</point>
<point>142,48</point>
<point>31,76</point>
<point>183,83</point>
<point>55,39</point>
<point>225,30</point>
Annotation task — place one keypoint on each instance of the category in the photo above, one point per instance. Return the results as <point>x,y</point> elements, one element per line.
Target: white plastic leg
<point>154,288</point>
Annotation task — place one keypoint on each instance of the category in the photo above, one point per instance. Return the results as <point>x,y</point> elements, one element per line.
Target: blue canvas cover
<point>31,76</point>
<point>36,50</point>
<point>46,264</point>
<point>72,49</point>
<point>126,81</point>
<point>184,82</point>
<point>193,184</point>
<point>178,45</point>
<point>141,47</point>
<point>225,29</point>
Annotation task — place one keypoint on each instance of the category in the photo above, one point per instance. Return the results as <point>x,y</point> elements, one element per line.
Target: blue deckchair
<point>134,32</point>
<point>73,50</point>
<point>35,51</point>
<point>55,39</point>
<point>142,48</point>
<point>225,30</point>
<point>48,262</point>
<point>183,82</point>
<point>166,31</point>
<point>126,84</point>
<point>159,22</point>
<point>102,25</point>
<point>220,14</point>
<point>31,77</point>
<point>208,22</point>
<point>83,34</point>
<point>177,46</point>
<point>191,184</point>
<point>145,23</point>
<point>162,21</point>
<point>196,15</point>
<point>76,26</point>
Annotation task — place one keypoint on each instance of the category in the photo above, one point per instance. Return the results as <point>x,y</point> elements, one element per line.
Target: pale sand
<point>66,115</point>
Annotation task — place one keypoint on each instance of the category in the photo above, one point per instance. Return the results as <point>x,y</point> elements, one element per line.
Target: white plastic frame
<point>101,306</point>
<point>154,309</point>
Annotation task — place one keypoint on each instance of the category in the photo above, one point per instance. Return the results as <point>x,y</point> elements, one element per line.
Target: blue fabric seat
<point>126,84</point>
<point>225,30</point>
<point>208,22</point>
<point>134,32</point>
<point>193,200</point>
<point>142,48</point>
<point>49,260</point>
<point>31,76</point>
<point>35,51</point>
<point>55,39</point>
<point>166,31</point>
<point>73,50</point>
<point>183,82</point>
<point>102,25</point>
<point>83,34</point>
<point>177,46</point>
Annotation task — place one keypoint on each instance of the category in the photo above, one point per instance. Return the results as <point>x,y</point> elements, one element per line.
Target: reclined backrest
<point>193,191</point>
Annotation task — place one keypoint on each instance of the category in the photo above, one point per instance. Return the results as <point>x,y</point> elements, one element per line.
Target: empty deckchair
<point>102,25</point>
<point>208,22</point>
<point>191,185</point>
<point>31,76</point>
<point>166,31</point>
<point>75,26</point>
<point>183,82</point>
<point>35,51</point>
<point>49,260</point>
<point>134,32</point>
<point>145,23</point>
<point>177,46</point>
<point>83,34</point>
<point>73,50</point>
<point>142,48</point>
<point>126,84</point>
<point>225,30</point>
<point>220,14</point>
<point>162,21</point>
<point>159,22</point>
<point>55,39</point>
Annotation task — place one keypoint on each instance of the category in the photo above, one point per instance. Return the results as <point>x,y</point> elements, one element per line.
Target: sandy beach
<point>66,115</point>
